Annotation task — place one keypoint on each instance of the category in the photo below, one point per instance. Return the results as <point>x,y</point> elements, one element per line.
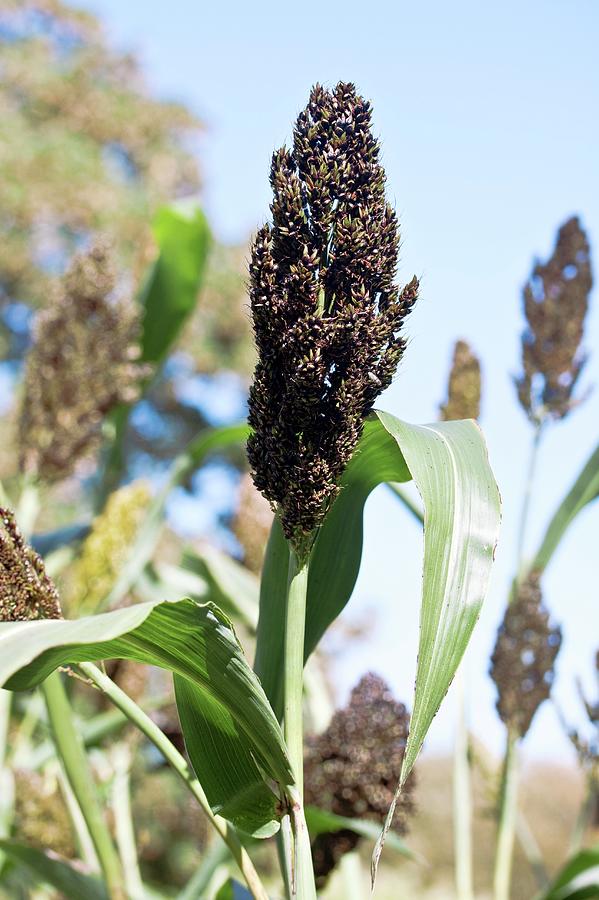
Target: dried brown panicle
<point>352,769</point>
<point>522,664</point>
<point>556,299</point>
<point>84,361</point>
<point>464,387</point>
<point>326,309</point>
<point>26,591</point>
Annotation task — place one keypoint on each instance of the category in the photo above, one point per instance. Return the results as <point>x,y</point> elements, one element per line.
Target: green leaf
<point>584,490</point>
<point>197,643</point>
<point>321,821</point>
<point>230,585</point>
<point>57,872</point>
<point>449,465</point>
<point>170,292</point>
<point>578,879</point>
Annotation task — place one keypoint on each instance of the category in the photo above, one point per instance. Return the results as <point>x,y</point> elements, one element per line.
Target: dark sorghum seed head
<point>26,591</point>
<point>84,361</point>
<point>556,299</point>
<point>523,661</point>
<point>326,309</point>
<point>463,390</point>
<point>352,769</point>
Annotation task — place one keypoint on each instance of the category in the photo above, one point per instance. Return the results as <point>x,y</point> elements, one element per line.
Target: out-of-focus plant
<point>555,300</point>
<point>328,317</point>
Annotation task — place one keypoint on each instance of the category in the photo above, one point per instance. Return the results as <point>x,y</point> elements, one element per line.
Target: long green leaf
<point>54,871</point>
<point>197,643</point>
<point>584,490</point>
<point>449,465</point>
<point>170,292</point>
<point>579,878</point>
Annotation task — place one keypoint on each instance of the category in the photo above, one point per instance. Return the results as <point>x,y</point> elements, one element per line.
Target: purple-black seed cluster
<point>352,769</point>
<point>556,300</point>
<point>523,661</point>
<point>326,309</point>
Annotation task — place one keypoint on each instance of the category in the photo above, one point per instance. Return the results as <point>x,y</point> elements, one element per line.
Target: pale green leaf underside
<point>196,642</point>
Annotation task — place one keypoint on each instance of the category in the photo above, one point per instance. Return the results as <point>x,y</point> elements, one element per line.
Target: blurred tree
<point>84,147</point>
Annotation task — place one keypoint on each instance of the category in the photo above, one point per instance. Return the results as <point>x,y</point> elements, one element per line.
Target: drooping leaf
<point>170,292</point>
<point>584,490</point>
<point>578,879</point>
<point>197,643</point>
<point>449,465</point>
<point>48,868</point>
<point>321,821</point>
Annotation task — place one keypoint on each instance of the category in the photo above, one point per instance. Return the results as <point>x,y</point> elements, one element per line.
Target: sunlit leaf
<point>578,879</point>
<point>170,292</point>
<point>240,735</point>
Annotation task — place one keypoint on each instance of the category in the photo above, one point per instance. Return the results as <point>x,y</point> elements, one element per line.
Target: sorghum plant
<point>328,317</point>
<point>555,302</point>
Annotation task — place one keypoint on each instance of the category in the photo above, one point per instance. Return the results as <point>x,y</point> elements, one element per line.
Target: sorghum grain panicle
<point>352,768</point>
<point>84,361</point>
<point>556,299</point>
<point>464,387</point>
<point>523,661</point>
<point>326,309</point>
<point>26,591</point>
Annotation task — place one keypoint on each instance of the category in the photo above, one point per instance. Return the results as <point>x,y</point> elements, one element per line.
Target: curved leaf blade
<point>170,292</point>
<point>197,643</point>
<point>578,878</point>
<point>584,490</point>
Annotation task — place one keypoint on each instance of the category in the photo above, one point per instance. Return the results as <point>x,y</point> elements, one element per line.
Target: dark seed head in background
<point>556,299</point>
<point>326,309</point>
<point>464,387</point>
<point>523,661</point>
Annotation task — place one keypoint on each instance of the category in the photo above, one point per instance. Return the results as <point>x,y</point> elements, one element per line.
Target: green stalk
<point>411,505</point>
<point>583,819</point>
<point>6,777</point>
<point>462,803</point>
<point>530,477</point>
<point>302,881</point>
<point>74,761</point>
<point>508,814</point>
<point>508,803</point>
<point>123,820</point>
<point>149,728</point>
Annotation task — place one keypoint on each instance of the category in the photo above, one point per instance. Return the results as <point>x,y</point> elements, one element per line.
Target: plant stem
<point>123,820</point>
<point>508,812</point>
<point>74,761</point>
<point>139,718</point>
<point>462,802</point>
<point>584,817</point>
<point>302,882</point>
<point>6,776</point>
<point>528,486</point>
<point>411,505</point>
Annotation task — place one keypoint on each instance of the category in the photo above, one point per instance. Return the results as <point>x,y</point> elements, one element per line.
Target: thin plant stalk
<point>508,801</point>
<point>508,814</point>
<point>123,819</point>
<point>302,873</point>
<point>177,762</point>
<point>583,818</point>
<point>532,851</point>
<point>526,502</point>
<point>6,777</point>
<point>411,505</point>
<point>74,761</point>
<point>83,841</point>
<point>462,802</point>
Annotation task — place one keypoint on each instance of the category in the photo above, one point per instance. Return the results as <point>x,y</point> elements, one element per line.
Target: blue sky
<point>488,119</point>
